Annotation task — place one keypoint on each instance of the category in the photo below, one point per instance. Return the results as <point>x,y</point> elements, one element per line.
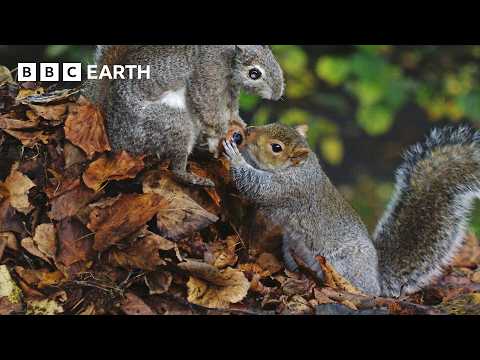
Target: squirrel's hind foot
<point>191,179</point>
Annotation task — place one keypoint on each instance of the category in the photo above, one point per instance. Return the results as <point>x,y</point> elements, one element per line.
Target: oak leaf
<point>85,128</point>
<point>39,278</point>
<point>120,166</point>
<point>334,279</point>
<point>11,123</point>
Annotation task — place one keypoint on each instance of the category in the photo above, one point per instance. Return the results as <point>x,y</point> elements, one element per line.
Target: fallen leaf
<point>25,93</point>
<point>18,186</point>
<point>334,279</point>
<point>214,288</point>
<point>224,252</point>
<point>120,166</point>
<point>29,245</point>
<point>85,128</point>
<point>43,307</point>
<point>75,242</point>
<point>72,155</point>
<point>133,305</point>
<point>50,112</point>
<point>71,201</point>
<point>31,138</point>
<point>158,282</point>
<point>10,123</point>
<point>9,220</point>
<point>10,293</point>
<point>269,263</point>
<point>142,254</point>
<point>128,214</point>
<point>40,278</point>
<point>45,241</point>
<point>178,214</point>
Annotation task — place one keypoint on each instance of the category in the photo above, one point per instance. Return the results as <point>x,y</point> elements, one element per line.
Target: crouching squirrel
<point>191,98</point>
<point>420,231</point>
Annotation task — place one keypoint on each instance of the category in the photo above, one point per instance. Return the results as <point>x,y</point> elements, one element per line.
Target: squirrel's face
<point>274,147</point>
<point>257,71</point>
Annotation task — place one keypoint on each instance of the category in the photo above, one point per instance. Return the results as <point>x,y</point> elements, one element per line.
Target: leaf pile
<point>87,231</point>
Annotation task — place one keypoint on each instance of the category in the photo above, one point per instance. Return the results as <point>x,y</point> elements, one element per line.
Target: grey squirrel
<point>190,100</point>
<point>420,231</point>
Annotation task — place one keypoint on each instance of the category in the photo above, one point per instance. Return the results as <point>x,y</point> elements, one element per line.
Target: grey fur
<point>419,233</point>
<point>211,77</point>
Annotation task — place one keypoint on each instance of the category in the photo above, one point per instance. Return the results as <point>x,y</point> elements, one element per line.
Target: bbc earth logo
<point>73,72</point>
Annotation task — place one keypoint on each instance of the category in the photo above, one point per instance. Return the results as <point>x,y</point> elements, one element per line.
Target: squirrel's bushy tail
<point>109,55</point>
<point>425,222</point>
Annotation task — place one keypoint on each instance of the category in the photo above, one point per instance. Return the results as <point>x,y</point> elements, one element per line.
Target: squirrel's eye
<point>237,138</point>
<point>276,148</point>
<point>255,74</point>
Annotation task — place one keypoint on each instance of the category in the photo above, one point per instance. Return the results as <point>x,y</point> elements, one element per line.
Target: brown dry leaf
<point>39,278</point>
<point>9,220</point>
<point>128,214</point>
<point>334,279</point>
<point>18,186</point>
<point>214,288</point>
<point>45,240</point>
<point>85,128</point>
<point>72,155</point>
<point>71,201</point>
<point>133,305</point>
<point>9,241</point>
<point>120,166</point>
<point>142,254</point>
<point>29,245</point>
<point>31,138</point>
<point>269,263</point>
<point>75,242</point>
<point>224,252</point>
<point>10,123</point>
<point>178,214</point>
<point>158,282</point>
<point>50,112</point>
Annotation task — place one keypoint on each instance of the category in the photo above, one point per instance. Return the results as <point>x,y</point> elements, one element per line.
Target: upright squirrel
<point>422,228</point>
<point>190,100</point>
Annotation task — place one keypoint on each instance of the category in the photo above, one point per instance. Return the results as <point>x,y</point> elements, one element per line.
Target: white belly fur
<point>174,99</point>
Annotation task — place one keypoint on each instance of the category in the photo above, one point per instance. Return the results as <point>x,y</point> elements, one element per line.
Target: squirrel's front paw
<point>232,153</point>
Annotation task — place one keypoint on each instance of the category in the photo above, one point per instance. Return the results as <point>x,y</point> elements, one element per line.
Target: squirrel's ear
<point>302,130</point>
<point>299,154</point>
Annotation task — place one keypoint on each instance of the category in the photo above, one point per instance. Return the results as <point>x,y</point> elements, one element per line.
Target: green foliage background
<point>363,103</point>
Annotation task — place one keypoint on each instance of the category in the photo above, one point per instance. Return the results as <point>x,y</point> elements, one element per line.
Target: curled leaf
<point>85,128</point>
<point>120,166</point>
<point>214,288</point>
